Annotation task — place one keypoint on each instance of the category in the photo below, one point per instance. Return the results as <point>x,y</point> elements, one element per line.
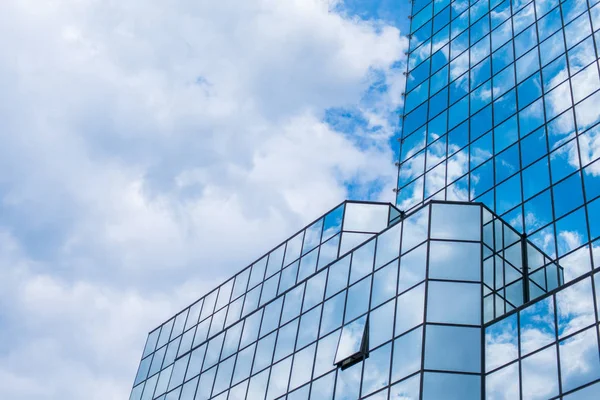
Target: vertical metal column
<point>525,264</point>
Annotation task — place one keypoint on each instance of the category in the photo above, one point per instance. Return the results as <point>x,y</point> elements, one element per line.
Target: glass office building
<point>482,282</point>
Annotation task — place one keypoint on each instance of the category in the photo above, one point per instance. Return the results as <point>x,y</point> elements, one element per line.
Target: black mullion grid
<point>469,86</point>
<point>596,326</point>
<point>255,350</point>
<point>249,267</point>
<point>400,140</point>
<point>188,366</point>
<point>585,199</point>
<point>446,156</point>
<point>503,258</point>
<point>389,218</point>
<point>520,137</point>
<point>574,114</point>
<point>442,371</point>
<point>372,276</point>
<point>580,387</point>
<point>425,300</point>
<point>319,338</point>
<point>299,260</point>
<point>476,326</point>
<point>225,326</point>
<point>276,332</point>
<point>216,366</point>
<point>245,290</point>
<point>341,229</point>
<point>544,347</point>
<point>219,362</point>
<point>545,135</point>
<point>428,102</point>
<point>537,230</point>
<point>525,266</point>
<point>450,40</point>
<point>491,54</point>
<point>556,344</point>
<point>450,324</point>
<point>482,330</point>
<point>143,381</point>
<point>546,155</point>
<point>550,293</point>
<point>449,24</point>
<point>163,366</point>
<point>417,246</point>
<point>237,354</point>
<point>295,348</point>
<point>545,268</point>
<point>514,68</point>
<point>262,283</point>
<point>451,281</point>
<point>182,333</point>
<point>395,301</point>
<point>319,243</point>
<point>495,262</point>
<point>470,170</point>
<point>593,32</point>
<point>362,232</point>
<point>343,318</point>
<point>267,276</point>
<point>491,51</point>
<point>202,363</point>
<point>312,275</point>
<point>149,355</point>
<point>580,171</point>
<point>519,349</point>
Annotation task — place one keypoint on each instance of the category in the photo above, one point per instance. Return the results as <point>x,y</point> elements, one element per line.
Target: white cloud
<point>150,149</point>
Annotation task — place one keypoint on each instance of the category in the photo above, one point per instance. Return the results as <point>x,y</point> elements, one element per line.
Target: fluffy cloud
<point>149,149</point>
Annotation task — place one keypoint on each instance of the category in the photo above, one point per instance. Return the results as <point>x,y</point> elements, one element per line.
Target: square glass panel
<point>451,386</point>
<point>501,343</point>
<point>459,222</point>
<point>540,375</point>
<point>455,260</point>
<point>453,302</point>
<point>452,348</point>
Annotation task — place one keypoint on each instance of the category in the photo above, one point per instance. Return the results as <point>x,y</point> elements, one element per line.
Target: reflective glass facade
<point>502,107</point>
<point>434,306</point>
<point>482,283</point>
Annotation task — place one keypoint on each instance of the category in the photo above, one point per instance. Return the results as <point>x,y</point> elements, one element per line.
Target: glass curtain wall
<point>502,106</point>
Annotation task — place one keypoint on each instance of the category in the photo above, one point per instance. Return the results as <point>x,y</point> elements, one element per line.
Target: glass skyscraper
<point>482,282</point>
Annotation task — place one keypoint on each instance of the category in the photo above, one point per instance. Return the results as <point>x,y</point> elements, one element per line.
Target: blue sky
<point>150,150</point>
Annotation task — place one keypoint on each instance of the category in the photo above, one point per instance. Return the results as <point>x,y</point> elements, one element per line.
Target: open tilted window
<point>353,345</point>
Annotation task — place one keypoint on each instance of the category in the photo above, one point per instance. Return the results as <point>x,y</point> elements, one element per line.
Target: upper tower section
<point>502,106</point>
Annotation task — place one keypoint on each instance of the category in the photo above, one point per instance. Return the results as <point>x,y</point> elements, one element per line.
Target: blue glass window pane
<point>451,386</point>
<point>450,348</point>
